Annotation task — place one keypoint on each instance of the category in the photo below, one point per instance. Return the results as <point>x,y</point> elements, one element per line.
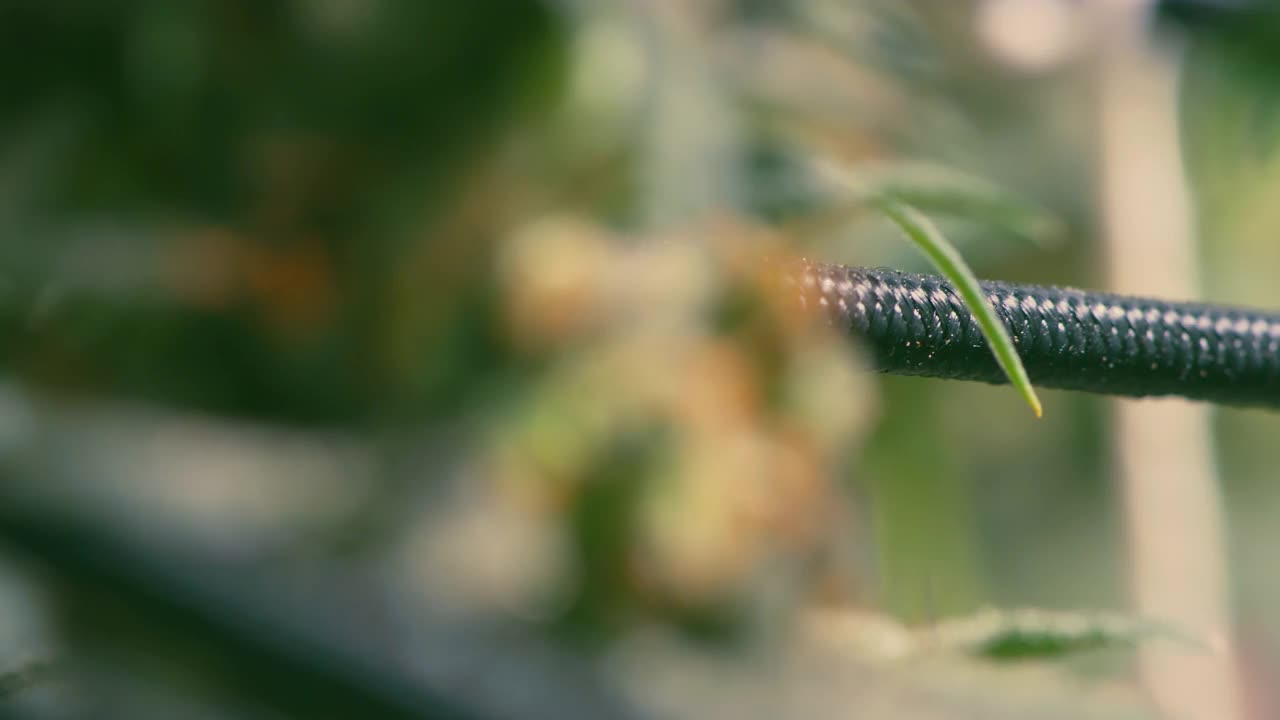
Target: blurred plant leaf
<point>237,207</point>
<point>941,190</point>
<point>921,231</point>
<point>1043,634</point>
<point>1247,29</point>
<point>20,678</point>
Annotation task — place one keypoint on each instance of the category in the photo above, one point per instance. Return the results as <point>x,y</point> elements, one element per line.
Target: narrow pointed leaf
<point>925,235</point>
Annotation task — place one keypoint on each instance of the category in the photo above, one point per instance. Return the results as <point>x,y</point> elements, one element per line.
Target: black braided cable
<point>1068,339</point>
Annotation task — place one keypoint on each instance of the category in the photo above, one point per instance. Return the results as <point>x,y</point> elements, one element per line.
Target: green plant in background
<point>516,301</point>
<point>227,207</point>
<point>924,235</point>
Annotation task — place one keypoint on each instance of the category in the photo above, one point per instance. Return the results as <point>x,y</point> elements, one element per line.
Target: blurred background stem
<point>1163,449</point>
<point>926,550</point>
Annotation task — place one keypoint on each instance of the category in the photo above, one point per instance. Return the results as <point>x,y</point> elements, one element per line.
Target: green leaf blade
<point>922,233</point>
<point>1034,634</point>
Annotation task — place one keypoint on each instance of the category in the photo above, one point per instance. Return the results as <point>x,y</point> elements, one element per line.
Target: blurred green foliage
<point>490,270</point>
<point>257,176</point>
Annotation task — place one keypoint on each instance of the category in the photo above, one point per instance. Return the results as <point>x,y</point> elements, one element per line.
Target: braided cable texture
<point>1068,339</point>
